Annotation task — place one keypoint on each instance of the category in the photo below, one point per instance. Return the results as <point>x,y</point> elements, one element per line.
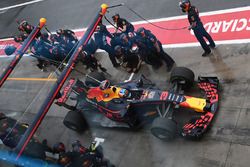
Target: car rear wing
<point>196,127</point>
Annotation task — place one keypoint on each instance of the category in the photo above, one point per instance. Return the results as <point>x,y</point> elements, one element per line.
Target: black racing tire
<point>75,121</point>
<point>164,129</point>
<point>180,74</point>
<point>94,78</point>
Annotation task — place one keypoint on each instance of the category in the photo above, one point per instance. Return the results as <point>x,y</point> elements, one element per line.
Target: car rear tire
<point>94,78</point>
<point>164,129</point>
<point>75,121</point>
<point>183,76</point>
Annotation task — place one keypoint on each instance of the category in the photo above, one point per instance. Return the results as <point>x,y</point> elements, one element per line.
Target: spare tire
<point>75,121</point>
<point>93,79</point>
<point>183,76</point>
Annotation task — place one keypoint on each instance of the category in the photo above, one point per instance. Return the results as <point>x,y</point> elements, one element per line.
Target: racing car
<point>133,103</point>
<point>40,154</point>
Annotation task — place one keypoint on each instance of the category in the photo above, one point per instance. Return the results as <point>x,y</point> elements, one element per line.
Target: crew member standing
<point>100,35</point>
<point>122,24</point>
<point>197,26</point>
<point>153,45</point>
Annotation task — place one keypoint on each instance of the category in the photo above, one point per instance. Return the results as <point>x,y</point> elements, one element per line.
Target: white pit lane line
<point>3,10</point>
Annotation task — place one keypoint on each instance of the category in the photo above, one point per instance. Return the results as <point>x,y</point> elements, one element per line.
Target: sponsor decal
<point>151,94</point>
<point>164,95</point>
<point>65,91</point>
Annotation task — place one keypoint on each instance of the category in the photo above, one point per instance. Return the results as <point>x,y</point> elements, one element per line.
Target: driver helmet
<point>184,5</point>
<point>124,93</point>
<point>104,85</point>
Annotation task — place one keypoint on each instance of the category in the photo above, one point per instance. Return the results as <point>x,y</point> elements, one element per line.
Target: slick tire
<point>183,76</point>
<point>75,121</point>
<point>93,79</point>
<point>164,129</point>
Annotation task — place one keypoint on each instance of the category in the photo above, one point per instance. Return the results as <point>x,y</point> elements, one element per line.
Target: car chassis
<point>134,111</point>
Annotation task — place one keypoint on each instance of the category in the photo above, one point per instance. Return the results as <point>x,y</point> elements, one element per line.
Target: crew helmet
<point>184,5</point>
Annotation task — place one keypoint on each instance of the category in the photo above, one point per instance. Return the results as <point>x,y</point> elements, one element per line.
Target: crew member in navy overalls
<point>122,24</point>
<point>100,36</point>
<point>197,26</point>
<point>155,46</point>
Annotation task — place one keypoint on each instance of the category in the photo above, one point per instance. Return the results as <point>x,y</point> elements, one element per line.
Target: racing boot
<point>212,46</point>
<point>206,53</point>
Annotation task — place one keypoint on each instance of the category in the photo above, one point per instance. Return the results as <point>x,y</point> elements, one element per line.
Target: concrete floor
<point>225,145</point>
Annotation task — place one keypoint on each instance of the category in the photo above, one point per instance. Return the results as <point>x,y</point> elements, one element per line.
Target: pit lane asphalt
<point>225,145</point>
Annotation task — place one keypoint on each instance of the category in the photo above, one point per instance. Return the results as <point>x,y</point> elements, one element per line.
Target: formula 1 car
<point>135,102</point>
<point>40,154</point>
